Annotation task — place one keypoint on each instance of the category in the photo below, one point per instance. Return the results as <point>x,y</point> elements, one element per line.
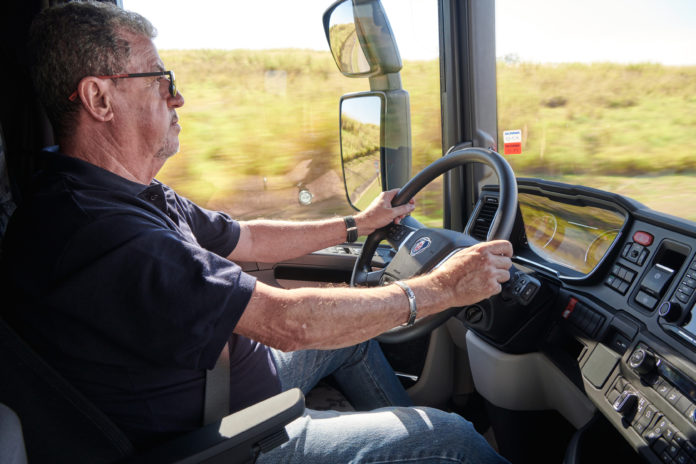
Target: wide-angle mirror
<point>361,142</point>
<point>343,40</point>
<point>360,38</point>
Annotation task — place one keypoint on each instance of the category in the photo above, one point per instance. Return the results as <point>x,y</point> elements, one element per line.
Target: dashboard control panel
<point>673,394</point>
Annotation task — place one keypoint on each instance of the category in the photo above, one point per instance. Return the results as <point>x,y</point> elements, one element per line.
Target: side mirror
<point>361,147</point>
<point>361,39</point>
<point>375,143</point>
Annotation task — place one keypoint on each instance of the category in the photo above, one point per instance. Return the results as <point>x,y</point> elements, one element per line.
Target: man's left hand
<point>381,212</point>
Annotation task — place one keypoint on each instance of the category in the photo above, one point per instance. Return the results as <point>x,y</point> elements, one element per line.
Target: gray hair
<point>74,40</point>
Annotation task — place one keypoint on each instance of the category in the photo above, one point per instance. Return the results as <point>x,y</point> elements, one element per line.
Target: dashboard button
<point>666,458</point>
<point>619,343</point>
<point>651,435</point>
<point>689,282</point>
<point>683,404</point>
<point>610,280</point>
<point>646,300</point>
<point>685,444</point>
<point>656,279</point>
<point>641,406</point>
<point>673,396</point>
<point>634,252</point>
<point>643,256</point>
<point>641,424</point>
<point>616,283</point>
<point>620,383</point>
<point>630,275</point>
<point>644,238</point>
<point>621,272</point>
<point>683,297</point>
<point>690,413</point>
<point>686,289</point>
<point>663,388</point>
<point>660,446</point>
<point>623,287</point>
<point>673,449</point>
<point>682,458</point>
<point>669,432</point>
<point>650,413</point>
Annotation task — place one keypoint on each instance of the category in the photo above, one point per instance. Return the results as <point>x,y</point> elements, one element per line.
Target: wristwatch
<point>351,229</point>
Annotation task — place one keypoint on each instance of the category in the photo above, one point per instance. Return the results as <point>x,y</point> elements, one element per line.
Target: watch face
<point>304,197</point>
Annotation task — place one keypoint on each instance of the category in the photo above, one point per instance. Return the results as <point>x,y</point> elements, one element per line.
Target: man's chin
<point>168,151</point>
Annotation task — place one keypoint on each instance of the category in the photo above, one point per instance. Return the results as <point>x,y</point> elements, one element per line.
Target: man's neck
<point>104,151</point>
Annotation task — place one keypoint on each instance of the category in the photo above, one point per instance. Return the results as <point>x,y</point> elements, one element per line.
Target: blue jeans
<point>392,431</point>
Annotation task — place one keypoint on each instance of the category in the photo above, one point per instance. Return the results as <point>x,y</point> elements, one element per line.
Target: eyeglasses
<point>169,74</point>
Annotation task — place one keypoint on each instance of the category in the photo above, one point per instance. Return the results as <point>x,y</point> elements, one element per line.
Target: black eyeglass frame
<point>172,80</point>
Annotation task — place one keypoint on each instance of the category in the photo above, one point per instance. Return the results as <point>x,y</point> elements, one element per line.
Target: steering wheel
<point>421,249</point>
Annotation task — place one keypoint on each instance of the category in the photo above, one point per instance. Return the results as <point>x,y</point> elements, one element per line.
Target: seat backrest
<point>59,424</point>
<point>7,205</point>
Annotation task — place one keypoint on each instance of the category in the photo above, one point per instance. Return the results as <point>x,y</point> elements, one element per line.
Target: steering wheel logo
<point>420,246</point>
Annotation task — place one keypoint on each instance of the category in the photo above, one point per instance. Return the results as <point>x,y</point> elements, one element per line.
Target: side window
<point>601,94</point>
<point>260,131</point>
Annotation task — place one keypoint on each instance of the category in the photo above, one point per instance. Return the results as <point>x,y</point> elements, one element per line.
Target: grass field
<point>260,125</point>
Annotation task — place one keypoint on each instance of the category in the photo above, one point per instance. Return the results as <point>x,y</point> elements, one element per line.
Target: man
<point>131,291</point>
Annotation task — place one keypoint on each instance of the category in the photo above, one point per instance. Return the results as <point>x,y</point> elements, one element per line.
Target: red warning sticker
<point>512,142</point>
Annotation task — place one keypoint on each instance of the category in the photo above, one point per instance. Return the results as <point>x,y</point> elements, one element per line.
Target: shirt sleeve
<point>214,230</point>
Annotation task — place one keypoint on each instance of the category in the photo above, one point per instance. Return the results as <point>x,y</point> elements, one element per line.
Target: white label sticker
<point>512,136</point>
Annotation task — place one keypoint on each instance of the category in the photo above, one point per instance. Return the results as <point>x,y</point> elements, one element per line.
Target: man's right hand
<point>475,273</point>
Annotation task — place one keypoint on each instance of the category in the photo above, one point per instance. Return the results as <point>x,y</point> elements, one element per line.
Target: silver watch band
<point>411,302</point>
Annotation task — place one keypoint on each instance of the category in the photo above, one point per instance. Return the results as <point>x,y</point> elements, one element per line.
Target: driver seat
<point>60,425</point>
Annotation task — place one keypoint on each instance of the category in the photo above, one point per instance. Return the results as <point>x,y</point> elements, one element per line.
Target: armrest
<point>237,438</point>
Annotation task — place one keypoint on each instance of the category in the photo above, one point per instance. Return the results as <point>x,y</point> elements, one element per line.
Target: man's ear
<point>95,95</point>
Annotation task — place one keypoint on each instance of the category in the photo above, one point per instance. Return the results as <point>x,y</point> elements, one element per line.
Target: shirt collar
<point>89,173</point>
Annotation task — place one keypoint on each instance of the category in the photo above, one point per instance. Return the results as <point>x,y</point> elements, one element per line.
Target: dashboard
<point>615,311</point>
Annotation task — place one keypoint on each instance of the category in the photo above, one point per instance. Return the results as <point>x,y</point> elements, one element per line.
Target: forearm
<point>325,318</point>
<point>274,241</point>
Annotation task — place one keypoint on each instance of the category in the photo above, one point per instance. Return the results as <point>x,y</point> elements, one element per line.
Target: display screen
<point>575,236</point>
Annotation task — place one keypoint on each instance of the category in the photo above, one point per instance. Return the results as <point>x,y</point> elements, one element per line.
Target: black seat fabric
<point>58,423</point>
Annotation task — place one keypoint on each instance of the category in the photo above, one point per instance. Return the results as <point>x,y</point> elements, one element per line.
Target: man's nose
<point>176,102</point>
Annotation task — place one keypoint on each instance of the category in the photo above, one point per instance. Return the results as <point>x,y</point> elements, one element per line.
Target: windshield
<point>601,94</point>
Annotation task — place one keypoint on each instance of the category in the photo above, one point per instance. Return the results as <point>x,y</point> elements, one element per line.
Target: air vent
<point>485,216</point>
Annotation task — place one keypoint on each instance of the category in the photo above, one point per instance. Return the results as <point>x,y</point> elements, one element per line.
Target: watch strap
<point>351,229</point>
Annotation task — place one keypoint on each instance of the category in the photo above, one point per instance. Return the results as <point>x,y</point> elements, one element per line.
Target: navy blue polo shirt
<point>125,289</point>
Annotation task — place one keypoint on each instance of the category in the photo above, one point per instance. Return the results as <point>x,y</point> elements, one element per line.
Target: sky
<point>544,31</point>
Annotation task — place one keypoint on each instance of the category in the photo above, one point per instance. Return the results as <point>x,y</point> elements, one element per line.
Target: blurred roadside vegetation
<point>259,125</point>
<point>628,129</point>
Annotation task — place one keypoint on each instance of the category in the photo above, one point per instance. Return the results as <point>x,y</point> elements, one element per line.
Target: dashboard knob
<point>642,361</point>
<point>670,311</point>
<point>626,403</point>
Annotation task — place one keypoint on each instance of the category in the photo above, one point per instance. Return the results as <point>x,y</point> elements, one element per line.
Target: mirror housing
<point>363,45</point>
<point>360,38</point>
